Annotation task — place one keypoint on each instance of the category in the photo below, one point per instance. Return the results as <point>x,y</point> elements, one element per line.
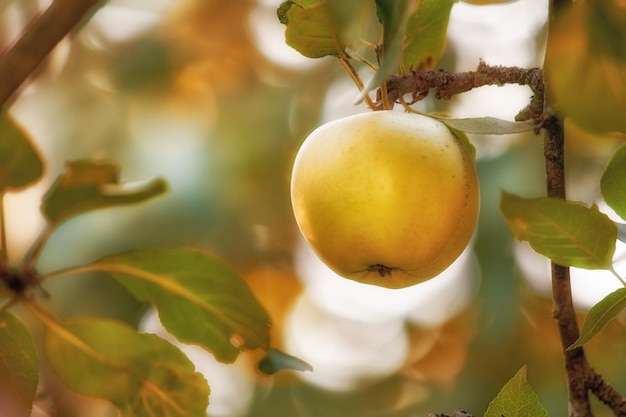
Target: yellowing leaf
<point>20,165</point>
<point>567,232</point>
<point>586,66</point>
<point>141,374</point>
<point>310,30</point>
<point>199,299</point>
<point>613,183</point>
<point>425,34</point>
<point>89,185</point>
<point>516,399</point>
<point>19,366</point>
<point>600,315</point>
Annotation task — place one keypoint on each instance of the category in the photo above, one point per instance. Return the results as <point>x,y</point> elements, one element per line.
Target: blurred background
<point>206,94</point>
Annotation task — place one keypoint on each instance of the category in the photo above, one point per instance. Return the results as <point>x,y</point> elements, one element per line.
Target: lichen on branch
<point>418,84</point>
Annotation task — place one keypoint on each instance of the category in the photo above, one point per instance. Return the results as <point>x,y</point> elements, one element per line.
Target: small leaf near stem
<point>600,315</point>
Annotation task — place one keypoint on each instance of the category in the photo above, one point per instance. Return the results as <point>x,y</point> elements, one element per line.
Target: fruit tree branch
<point>576,366</point>
<point>581,378</point>
<point>40,37</point>
<point>445,84</point>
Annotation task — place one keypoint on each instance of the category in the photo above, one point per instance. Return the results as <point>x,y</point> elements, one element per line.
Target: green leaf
<point>486,125</point>
<point>141,374</point>
<point>425,34</point>
<point>392,15</point>
<point>516,399</point>
<point>464,140</point>
<point>310,29</point>
<point>567,232</point>
<point>20,165</point>
<point>19,366</point>
<point>601,314</point>
<point>613,183</point>
<point>275,360</point>
<point>199,299</point>
<point>89,185</point>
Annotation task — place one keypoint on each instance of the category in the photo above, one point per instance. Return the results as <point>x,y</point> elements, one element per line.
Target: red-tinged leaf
<point>141,374</point>
<point>568,233</point>
<point>613,183</point>
<point>90,185</point>
<point>199,299</point>
<point>20,165</point>
<point>600,315</point>
<point>516,399</point>
<point>19,367</point>
<point>425,34</point>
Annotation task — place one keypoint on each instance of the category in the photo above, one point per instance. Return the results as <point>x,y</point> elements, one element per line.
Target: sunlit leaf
<point>392,15</point>
<point>486,125</point>
<point>601,314</point>
<point>425,34</point>
<point>613,183</point>
<point>586,65</point>
<point>19,366</point>
<point>200,300</point>
<point>275,360</point>
<point>567,232</point>
<point>516,399</point>
<point>89,185</point>
<point>141,374</point>
<point>310,30</point>
<point>20,164</point>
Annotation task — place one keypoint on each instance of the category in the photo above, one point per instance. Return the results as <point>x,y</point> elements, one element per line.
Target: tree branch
<point>606,393</point>
<point>580,377</point>
<point>39,38</point>
<point>418,85</point>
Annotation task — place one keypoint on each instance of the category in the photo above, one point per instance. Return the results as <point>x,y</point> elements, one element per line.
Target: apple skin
<point>385,198</point>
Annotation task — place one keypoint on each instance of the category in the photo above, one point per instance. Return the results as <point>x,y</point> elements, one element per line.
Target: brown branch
<point>576,366</point>
<point>418,84</point>
<point>39,38</point>
<point>580,377</point>
<point>606,393</point>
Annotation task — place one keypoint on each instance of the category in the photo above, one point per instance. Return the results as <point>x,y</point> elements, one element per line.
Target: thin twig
<point>39,38</point>
<point>32,256</point>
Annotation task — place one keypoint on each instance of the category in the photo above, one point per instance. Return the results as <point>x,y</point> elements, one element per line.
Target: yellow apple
<point>386,197</point>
